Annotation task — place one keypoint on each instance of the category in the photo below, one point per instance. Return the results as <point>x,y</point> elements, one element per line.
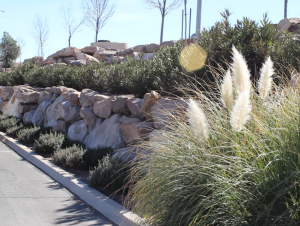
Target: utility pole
<point>285,8</point>
<point>198,22</point>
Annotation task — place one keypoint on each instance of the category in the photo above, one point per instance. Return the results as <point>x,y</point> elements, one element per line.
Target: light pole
<point>198,22</point>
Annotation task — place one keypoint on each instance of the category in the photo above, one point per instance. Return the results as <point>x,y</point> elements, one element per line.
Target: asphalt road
<point>28,197</point>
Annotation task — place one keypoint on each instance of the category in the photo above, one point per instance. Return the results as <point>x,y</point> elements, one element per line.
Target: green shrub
<point>3,117</point>
<point>92,156</point>
<point>110,173</point>
<point>8,123</point>
<point>29,135</point>
<point>70,143</point>
<point>12,131</point>
<point>71,157</point>
<point>49,142</point>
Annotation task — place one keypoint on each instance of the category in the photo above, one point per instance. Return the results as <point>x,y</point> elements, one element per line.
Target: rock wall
<point>92,118</point>
<point>88,54</point>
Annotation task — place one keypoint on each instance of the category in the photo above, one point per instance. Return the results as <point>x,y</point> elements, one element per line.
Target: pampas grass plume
<point>265,80</point>
<point>241,110</point>
<point>227,91</point>
<point>240,71</point>
<point>197,120</point>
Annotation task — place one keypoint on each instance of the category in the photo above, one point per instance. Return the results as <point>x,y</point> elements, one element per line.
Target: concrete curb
<point>106,206</point>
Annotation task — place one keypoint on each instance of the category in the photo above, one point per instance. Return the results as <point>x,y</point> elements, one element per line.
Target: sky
<point>133,21</point>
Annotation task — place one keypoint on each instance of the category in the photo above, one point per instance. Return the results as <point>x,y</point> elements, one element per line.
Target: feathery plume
<point>197,120</point>
<point>265,80</point>
<point>240,71</point>
<point>227,91</point>
<point>241,110</point>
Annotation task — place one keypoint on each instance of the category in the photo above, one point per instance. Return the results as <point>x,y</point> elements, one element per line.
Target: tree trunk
<point>162,27</point>
<point>96,36</point>
<point>69,41</point>
<point>285,8</point>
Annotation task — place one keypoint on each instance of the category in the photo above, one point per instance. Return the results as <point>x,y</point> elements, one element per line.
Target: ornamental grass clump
<point>244,172</point>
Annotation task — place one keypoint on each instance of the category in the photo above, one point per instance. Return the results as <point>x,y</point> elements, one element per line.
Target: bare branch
<point>96,13</point>
<point>40,34</point>
<point>70,22</point>
<point>21,42</point>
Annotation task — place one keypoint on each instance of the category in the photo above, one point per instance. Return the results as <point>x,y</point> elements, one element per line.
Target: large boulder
<point>86,98</point>
<point>28,116</point>
<point>120,106</point>
<point>11,108</point>
<point>106,134</point>
<point>23,108</point>
<point>90,50</point>
<point>26,94</point>
<point>134,130</point>
<point>66,52</point>
<point>61,110</point>
<point>164,111</point>
<point>149,100</point>
<point>78,131</point>
<point>139,49</point>
<point>45,95</point>
<point>72,96</point>
<point>89,59</point>
<point>125,52</point>
<point>89,117</point>
<point>60,126</point>
<point>68,60</point>
<point>103,109</point>
<point>6,92</point>
<point>40,113</point>
<point>103,54</point>
<point>284,24</point>
<point>135,107</point>
<point>152,48</point>
<point>148,56</point>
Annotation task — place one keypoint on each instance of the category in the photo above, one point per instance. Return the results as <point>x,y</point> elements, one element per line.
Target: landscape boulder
<point>106,134</point>
<point>66,52</point>
<point>26,94</point>
<point>6,92</point>
<point>125,52</point>
<point>72,96</point>
<point>90,50</point>
<point>135,130</point>
<point>139,49</point>
<point>89,59</point>
<point>23,108</point>
<point>27,118</point>
<point>164,110</point>
<point>152,48</point>
<point>89,117</point>
<point>103,109</point>
<point>149,100</point>
<point>135,107</point>
<point>86,98</point>
<point>60,126</point>
<point>78,131</point>
<point>40,113</point>
<point>11,108</point>
<point>120,106</point>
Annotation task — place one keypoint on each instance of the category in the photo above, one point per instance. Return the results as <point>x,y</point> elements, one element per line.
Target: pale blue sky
<point>132,22</point>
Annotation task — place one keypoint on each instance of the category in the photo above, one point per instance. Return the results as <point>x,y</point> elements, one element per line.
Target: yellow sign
<point>193,58</point>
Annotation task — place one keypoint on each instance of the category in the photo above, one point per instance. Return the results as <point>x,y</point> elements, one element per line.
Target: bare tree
<point>71,24</point>
<point>21,43</point>
<point>164,8</point>
<point>40,34</point>
<point>96,13</point>
<point>285,8</point>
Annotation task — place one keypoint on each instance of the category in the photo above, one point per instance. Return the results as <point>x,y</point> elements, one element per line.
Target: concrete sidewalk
<point>30,197</point>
